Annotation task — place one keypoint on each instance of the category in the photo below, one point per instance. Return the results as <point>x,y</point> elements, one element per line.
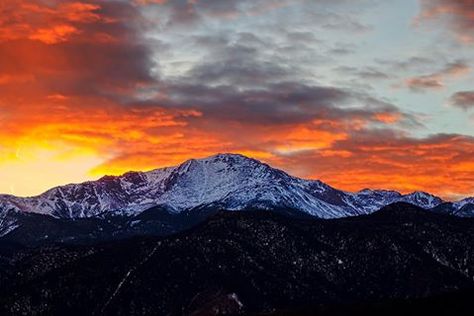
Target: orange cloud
<point>56,34</point>
<point>79,12</point>
<point>440,164</point>
<point>388,118</point>
<point>12,79</point>
<point>50,23</point>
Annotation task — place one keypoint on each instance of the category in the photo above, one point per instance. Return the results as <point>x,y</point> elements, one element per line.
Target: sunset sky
<point>357,93</point>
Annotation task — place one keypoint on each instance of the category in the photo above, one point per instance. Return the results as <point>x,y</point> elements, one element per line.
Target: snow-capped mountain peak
<point>422,199</point>
<point>228,181</point>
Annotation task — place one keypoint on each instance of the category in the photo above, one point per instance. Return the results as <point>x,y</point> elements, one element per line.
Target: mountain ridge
<point>228,181</point>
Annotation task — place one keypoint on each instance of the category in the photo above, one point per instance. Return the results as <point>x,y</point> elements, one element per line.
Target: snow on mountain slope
<point>464,208</point>
<point>7,223</point>
<point>422,199</point>
<point>464,202</point>
<point>232,182</point>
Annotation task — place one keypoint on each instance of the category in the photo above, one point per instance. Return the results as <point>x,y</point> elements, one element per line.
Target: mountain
<point>227,181</point>
<point>33,230</point>
<point>230,235</point>
<point>258,263</point>
<point>463,208</point>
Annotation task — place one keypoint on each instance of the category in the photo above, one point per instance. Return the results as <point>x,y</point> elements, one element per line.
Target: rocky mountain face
<point>254,262</point>
<point>226,181</point>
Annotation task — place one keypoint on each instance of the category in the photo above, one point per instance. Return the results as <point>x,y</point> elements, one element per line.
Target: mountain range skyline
<point>220,182</point>
<point>131,172</point>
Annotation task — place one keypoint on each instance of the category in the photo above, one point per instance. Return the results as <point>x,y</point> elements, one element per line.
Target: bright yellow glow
<point>32,170</point>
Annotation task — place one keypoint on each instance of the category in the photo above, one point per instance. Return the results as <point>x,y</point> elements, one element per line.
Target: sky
<point>356,93</point>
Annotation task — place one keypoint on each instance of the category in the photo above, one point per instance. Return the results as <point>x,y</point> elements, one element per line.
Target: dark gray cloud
<point>415,63</point>
<point>281,103</point>
<point>265,76</point>
<point>436,80</point>
<point>463,100</point>
<point>365,73</point>
<point>184,12</point>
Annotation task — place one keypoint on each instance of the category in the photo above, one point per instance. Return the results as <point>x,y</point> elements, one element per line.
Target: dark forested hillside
<point>252,263</point>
